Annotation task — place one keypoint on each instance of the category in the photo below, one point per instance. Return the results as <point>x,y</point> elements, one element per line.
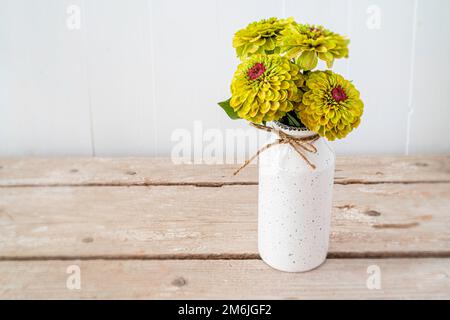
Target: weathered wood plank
<point>148,171</point>
<point>236,279</point>
<point>187,221</point>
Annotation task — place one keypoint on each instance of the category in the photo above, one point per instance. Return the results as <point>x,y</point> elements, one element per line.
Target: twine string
<point>300,144</point>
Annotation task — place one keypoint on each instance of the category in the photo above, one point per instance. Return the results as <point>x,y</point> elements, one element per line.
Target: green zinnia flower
<point>259,37</point>
<point>308,43</point>
<point>264,88</point>
<point>330,106</point>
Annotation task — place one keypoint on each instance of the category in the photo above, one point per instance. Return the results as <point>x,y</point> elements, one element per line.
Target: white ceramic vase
<point>294,206</point>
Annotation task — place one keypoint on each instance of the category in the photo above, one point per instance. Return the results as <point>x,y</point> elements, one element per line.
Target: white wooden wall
<point>131,72</point>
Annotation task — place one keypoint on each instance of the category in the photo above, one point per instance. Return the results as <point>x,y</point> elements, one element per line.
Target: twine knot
<point>299,144</point>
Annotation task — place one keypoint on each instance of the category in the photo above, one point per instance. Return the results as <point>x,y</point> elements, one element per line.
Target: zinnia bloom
<point>264,88</point>
<point>259,37</point>
<point>308,43</point>
<point>330,106</point>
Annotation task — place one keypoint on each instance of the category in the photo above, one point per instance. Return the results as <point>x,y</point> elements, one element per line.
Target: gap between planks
<point>202,184</point>
<point>233,256</point>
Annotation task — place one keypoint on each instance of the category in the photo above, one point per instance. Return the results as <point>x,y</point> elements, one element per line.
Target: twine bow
<point>299,144</point>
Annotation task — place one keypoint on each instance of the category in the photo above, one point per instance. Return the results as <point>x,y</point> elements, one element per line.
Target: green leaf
<point>290,123</point>
<point>293,120</point>
<point>225,105</point>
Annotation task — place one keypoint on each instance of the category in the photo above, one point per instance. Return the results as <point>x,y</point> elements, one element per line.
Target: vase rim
<point>290,128</point>
<point>293,130</point>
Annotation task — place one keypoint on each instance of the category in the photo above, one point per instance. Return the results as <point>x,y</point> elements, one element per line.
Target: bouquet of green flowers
<point>276,80</point>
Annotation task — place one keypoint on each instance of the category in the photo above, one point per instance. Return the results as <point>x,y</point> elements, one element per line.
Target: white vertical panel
<point>120,77</point>
<point>148,67</point>
<point>332,14</point>
<point>380,60</point>
<point>185,49</point>
<point>44,107</point>
<point>429,126</point>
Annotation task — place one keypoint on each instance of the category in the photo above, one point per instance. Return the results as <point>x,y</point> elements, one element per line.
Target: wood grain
<point>375,220</point>
<point>153,171</point>
<point>236,279</point>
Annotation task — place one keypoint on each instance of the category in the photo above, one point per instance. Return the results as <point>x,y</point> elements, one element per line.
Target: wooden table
<point>144,228</point>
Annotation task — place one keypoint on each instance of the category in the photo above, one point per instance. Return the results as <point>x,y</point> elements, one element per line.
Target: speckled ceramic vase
<point>294,207</point>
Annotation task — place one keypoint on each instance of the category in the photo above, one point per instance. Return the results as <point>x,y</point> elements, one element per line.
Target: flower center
<point>338,94</point>
<point>256,71</point>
